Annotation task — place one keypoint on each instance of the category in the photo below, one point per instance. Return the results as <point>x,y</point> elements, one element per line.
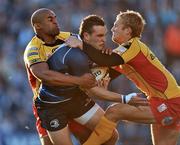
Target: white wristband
<point>126,98</point>
<point>123,99</point>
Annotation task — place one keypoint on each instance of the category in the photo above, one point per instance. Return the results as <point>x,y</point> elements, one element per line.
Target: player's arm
<point>132,98</point>
<point>53,78</point>
<point>101,58</point>
<point>95,55</point>
<point>40,69</point>
<point>79,65</point>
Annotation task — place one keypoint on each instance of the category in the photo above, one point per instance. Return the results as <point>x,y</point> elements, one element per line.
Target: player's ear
<point>128,31</point>
<point>86,36</point>
<point>37,26</point>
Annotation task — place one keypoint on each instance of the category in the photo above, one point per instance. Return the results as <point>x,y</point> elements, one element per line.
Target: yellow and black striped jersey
<point>36,52</point>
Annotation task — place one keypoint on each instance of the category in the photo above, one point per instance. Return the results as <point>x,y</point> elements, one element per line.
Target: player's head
<point>93,31</point>
<point>128,24</point>
<point>44,22</point>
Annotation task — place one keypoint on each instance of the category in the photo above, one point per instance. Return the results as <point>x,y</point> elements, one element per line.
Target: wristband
<point>126,98</point>
<point>123,99</point>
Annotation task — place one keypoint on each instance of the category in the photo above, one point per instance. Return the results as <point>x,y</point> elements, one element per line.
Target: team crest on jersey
<point>54,123</point>
<point>167,121</point>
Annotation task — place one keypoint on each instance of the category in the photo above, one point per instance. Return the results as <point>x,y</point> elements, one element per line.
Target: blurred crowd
<point>162,34</point>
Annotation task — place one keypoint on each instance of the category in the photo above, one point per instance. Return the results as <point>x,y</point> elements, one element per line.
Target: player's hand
<point>73,41</point>
<point>103,82</point>
<point>87,81</point>
<point>136,99</point>
<point>107,51</point>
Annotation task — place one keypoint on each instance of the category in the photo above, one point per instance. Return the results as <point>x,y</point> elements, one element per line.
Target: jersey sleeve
<point>102,59</point>
<point>78,62</point>
<point>32,56</point>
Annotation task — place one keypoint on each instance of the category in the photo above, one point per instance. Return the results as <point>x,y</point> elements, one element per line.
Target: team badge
<point>54,123</point>
<point>167,121</point>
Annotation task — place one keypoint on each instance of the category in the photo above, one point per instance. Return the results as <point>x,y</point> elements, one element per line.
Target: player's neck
<point>47,39</point>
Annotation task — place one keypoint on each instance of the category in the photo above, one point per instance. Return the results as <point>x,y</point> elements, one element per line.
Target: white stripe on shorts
<point>88,115</point>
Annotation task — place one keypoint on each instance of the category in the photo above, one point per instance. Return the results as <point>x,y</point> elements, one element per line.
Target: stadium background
<point>17,124</point>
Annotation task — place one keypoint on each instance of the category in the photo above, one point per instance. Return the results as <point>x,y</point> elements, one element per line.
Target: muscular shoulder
<point>32,53</point>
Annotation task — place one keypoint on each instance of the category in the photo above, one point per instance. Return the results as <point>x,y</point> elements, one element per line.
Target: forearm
<point>103,94</point>
<point>52,78</point>
<point>100,58</point>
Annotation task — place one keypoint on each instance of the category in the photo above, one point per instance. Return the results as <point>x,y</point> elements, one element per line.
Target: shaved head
<point>38,15</point>
<point>44,23</point>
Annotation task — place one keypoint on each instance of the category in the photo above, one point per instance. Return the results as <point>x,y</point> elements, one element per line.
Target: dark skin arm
<point>53,78</point>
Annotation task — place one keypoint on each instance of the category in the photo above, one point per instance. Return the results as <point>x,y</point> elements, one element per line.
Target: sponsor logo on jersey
<point>121,49</point>
<point>162,107</point>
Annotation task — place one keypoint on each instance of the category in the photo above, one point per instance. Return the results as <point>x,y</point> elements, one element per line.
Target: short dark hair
<point>88,22</point>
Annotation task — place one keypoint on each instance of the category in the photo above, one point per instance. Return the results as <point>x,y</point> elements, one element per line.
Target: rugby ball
<point>100,72</point>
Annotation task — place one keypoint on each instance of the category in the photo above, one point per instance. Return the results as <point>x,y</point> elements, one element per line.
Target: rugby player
<point>135,60</point>
<point>43,44</point>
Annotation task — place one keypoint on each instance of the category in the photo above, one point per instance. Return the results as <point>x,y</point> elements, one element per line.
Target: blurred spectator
<point>172,47</point>
<point>172,42</point>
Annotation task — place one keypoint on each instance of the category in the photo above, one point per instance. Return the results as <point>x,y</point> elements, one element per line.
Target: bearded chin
<point>55,33</point>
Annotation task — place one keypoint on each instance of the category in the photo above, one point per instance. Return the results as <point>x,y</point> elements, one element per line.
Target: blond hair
<point>134,20</point>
